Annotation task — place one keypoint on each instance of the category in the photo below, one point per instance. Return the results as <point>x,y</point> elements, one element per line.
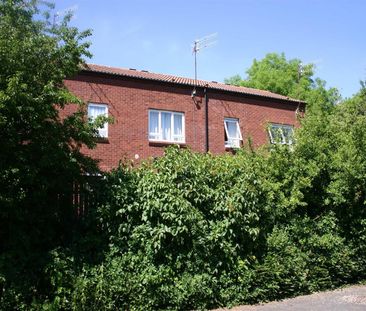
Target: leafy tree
<point>40,154</point>
<point>291,78</point>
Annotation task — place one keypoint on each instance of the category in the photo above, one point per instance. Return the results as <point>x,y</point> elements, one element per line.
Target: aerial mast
<point>198,45</point>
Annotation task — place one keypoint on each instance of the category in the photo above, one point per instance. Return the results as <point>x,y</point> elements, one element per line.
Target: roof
<point>146,75</point>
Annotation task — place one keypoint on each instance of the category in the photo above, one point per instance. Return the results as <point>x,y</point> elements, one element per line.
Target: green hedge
<point>196,231</point>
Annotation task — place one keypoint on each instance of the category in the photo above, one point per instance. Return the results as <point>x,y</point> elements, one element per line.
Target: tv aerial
<point>199,45</point>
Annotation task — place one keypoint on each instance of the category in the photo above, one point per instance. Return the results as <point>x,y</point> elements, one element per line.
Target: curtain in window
<point>178,127</point>
<point>95,111</point>
<point>154,125</point>
<point>166,125</point>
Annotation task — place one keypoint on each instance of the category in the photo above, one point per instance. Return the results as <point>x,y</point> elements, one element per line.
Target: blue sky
<point>157,35</point>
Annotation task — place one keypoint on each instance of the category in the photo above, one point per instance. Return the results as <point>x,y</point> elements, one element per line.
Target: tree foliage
<point>40,156</point>
<point>291,78</point>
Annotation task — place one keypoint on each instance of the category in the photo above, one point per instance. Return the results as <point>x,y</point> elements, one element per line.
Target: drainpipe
<point>206,120</point>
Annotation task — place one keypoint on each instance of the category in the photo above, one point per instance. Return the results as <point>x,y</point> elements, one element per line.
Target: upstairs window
<point>166,126</point>
<point>232,133</point>
<point>281,134</point>
<point>96,110</point>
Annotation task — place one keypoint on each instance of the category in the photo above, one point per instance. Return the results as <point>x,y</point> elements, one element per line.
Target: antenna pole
<point>195,67</point>
<point>195,62</point>
<point>198,45</point>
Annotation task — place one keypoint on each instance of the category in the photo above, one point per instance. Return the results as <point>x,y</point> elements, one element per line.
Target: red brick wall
<point>129,100</point>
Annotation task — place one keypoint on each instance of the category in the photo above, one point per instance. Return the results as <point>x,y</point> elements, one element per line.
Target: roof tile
<point>143,74</point>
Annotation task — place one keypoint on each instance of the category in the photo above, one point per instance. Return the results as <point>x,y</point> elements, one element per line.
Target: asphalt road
<point>352,298</point>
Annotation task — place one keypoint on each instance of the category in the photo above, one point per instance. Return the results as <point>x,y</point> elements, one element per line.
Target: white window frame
<point>102,131</point>
<point>232,142</point>
<point>159,135</point>
<point>280,127</point>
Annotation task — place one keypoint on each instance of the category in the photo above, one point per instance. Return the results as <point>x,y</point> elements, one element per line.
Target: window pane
<point>166,125</point>
<point>178,125</point>
<point>281,134</point>
<point>232,133</point>
<point>95,110</point>
<point>154,125</point>
<point>276,134</point>
<point>232,129</point>
<point>287,134</point>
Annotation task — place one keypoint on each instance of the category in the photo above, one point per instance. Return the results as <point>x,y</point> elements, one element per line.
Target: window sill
<point>230,147</point>
<point>281,144</point>
<point>102,140</point>
<point>157,143</point>
<point>232,150</point>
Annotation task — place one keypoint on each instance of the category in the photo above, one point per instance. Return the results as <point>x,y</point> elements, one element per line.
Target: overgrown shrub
<point>189,214</point>
<point>195,231</point>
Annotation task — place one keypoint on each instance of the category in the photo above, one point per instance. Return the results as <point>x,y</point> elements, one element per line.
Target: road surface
<point>352,298</point>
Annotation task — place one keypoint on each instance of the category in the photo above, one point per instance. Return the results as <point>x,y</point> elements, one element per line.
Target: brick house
<point>151,111</point>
